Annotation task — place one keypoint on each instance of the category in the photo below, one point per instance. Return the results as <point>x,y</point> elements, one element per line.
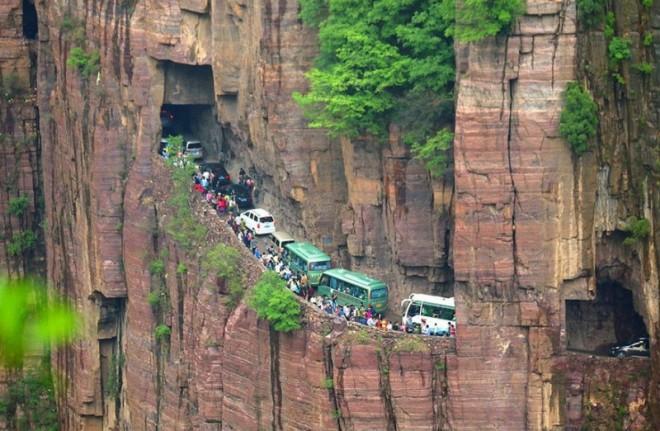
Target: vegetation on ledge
<point>385,62</point>
<point>579,118</point>
<point>273,302</point>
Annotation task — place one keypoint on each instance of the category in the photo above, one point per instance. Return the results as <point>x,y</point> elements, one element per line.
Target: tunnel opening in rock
<point>194,122</point>
<point>30,23</point>
<point>189,106</point>
<point>610,319</point>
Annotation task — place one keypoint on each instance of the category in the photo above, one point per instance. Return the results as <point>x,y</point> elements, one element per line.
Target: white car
<point>258,221</point>
<point>194,149</point>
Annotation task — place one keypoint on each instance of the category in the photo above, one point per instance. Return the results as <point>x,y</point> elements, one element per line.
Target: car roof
<point>358,278</point>
<point>280,235</point>
<point>307,251</point>
<point>432,299</point>
<point>260,212</point>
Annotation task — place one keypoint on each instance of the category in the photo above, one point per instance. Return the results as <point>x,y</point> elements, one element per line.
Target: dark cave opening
<point>189,106</point>
<point>610,319</point>
<point>194,122</point>
<point>30,22</point>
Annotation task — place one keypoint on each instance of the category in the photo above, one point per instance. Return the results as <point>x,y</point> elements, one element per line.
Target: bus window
<point>333,283</point>
<point>378,293</point>
<point>358,293</point>
<point>319,266</point>
<point>437,312</point>
<point>324,280</point>
<point>413,310</point>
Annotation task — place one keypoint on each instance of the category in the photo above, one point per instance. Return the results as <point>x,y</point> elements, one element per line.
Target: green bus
<point>304,257</point>
<point>354,288</point>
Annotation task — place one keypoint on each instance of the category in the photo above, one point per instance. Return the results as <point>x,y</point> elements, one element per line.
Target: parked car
<point>222,177</point>
<point>242,195</point>
<point>194,149</point>
<point>258,221</point>
<point>637,348</point>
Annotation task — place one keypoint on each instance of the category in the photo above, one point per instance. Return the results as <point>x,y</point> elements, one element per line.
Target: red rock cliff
<point>526,227</point>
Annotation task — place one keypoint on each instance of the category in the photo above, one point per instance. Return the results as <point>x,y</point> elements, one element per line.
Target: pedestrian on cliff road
<point>452,330</point>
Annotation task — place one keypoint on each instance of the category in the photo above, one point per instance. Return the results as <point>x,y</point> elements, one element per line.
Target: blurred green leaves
<point>31,320</point>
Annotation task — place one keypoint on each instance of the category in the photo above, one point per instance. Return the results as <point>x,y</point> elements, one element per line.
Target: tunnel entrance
<point>194,122</point>
<point>30,23</point>
<point>189,106</point>
<point>610,319</point>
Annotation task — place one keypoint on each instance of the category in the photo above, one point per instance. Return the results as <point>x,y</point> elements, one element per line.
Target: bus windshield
<point>319,266</point>
<point>378,293</point>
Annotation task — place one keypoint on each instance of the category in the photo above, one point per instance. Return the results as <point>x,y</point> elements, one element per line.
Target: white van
<point>429,310</point>
<point>281,238</point>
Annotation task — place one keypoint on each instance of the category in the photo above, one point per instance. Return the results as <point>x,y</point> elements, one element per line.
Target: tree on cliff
<point>275,303</point>
<point>392,61</point>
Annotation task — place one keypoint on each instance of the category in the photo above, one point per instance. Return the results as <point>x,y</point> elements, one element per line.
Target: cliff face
<point>528,232</point>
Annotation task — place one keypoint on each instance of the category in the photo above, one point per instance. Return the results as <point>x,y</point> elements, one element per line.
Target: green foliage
<point>478,19</point>
<point>647,3</point>
<point>379,61</point>
<point>21,242</point>
<point>162,332</point>
<point>328,383</point>
<point>410,344</point>
<point>638,229</point>
<point>610,25</point>
<point>619,78</point>
<point>181,268</point>
<point>619,49</point>
<point>157,267</point>
<point>275,303</point>
<point>579,118</point>
<point>158,300</point>
<point>392,61</point>
<point>29,317</point>
<point>440,365</point>
<point>644,68</point>
<point>86,62</point>
<point>33,393</point>
<point>648,39</point>
<point>591,12</point>
<point>223,261</point>
<point>312,12</point>
<point>434,151</point>
<point>183,227</point>
<point>18,205</point>
<point>361,336</point>
<point>12,87</point>
<point>112,386</point>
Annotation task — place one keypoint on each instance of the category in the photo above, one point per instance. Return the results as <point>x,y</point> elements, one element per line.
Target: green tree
<point>273,302</point>
<point>87,63</point>
<point>29,318</point>
<point>579,118</point>
<point>18,205</point>
<point>619,49</point>
<point>478,19</point>
<point>591,12</point>
<point>392,61</point>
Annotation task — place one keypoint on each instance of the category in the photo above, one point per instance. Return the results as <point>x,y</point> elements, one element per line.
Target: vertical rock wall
<point>524,236</point>
<point>20,150</point>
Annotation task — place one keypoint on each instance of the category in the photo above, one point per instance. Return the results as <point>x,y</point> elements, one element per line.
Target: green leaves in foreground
<point>30,320</point>
<point>478,19</point>
<point>579,118</point>
<point>275,303</point>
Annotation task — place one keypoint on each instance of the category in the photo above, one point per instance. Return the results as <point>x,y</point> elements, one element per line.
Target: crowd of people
<point>274,259</point>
